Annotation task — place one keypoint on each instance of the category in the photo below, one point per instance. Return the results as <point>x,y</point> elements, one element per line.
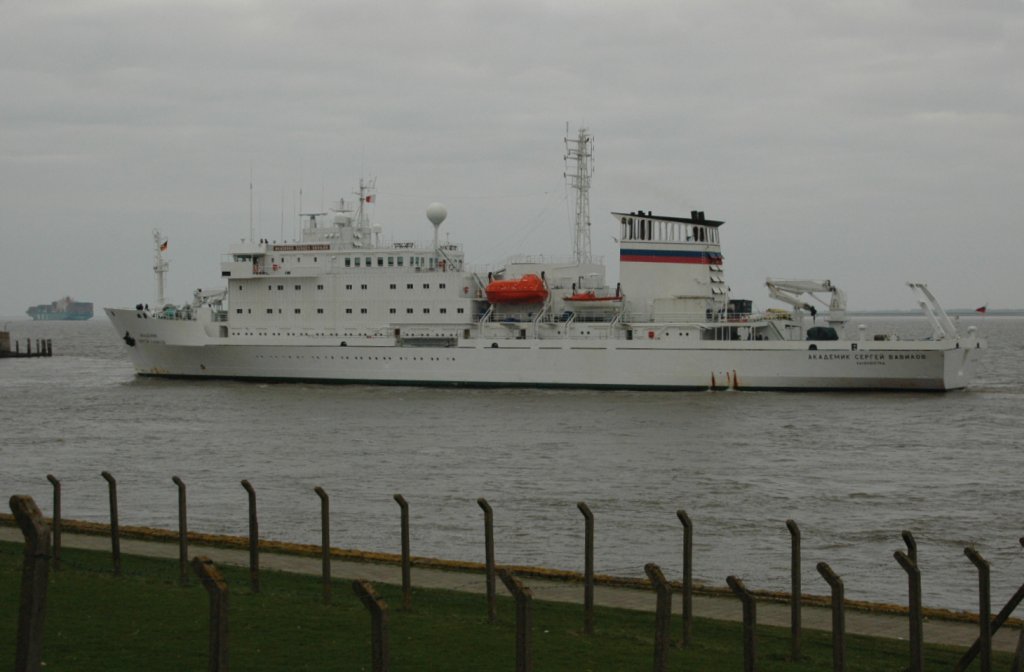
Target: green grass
<point>144,620</point>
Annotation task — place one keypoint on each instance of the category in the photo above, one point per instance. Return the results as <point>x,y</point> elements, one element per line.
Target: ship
<point>62,309</point>
<point>342,304</point>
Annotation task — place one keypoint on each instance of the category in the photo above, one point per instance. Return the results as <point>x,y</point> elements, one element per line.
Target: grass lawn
<point>145,620</point>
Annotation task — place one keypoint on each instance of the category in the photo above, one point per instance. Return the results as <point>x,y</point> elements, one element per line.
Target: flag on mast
<point>982,310</point>
<point>163,246</point>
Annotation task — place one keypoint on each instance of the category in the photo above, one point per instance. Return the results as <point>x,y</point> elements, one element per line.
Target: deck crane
<point>792,291</point>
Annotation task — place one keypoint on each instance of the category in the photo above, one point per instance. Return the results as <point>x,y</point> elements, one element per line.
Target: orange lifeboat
<point>586,297</point>
<point>527,289</point>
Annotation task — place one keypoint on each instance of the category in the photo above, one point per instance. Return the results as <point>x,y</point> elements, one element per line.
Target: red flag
<point>163,246</point>
<point>982,310</point>
<point>369,199</point>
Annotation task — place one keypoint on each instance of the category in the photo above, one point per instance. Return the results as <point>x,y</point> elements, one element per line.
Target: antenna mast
<point>579,169</point>
<point>160,266</point>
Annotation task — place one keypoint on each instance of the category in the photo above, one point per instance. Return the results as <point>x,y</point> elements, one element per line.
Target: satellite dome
<point>436,213</point>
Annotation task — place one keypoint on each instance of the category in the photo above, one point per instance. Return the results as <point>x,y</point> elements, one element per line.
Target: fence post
<point>838,616</point>
<point>406,560</point>
<point>662,615</point>
<point>182,532</point>
<point>56,520</point>
<point>997,623</point>
<point>115,535</point>
<point>795,591</point>
<point>34,581</point>
<point>588,568</point>
<point>492,607</point>
<point>378,608</point>
<point>984,608</point>
<point>916,625</point>
<point>325,541</point>
<point>524,620</point>
<point>687,575</point>
<point>908,539</point>
<point>217,589</point>
<point>749,622</point>
<point>254,539</point>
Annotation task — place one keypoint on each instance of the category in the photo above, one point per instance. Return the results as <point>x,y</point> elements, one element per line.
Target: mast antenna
<point>579,169</point>
<point>160,266</point>
<point>251,232</point>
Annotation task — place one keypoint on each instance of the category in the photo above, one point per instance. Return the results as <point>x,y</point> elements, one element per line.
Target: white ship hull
<point>185,349</point>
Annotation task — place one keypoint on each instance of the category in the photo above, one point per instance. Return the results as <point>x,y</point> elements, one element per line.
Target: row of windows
<point>426,285</point>
<point>653,229</point>
<point>391,261</point>
<point>348,311</point>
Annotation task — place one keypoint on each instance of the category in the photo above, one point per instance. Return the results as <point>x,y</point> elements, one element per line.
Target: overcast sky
<point>870,142</point>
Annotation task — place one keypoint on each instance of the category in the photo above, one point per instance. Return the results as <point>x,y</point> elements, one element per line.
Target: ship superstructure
<point>341,304</point>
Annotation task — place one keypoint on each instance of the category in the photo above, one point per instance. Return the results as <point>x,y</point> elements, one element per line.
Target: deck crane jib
<point>793,291</point>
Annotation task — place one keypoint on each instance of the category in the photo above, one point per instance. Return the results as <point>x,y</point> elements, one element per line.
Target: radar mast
<point>579,169</point>
<point>159,266</point>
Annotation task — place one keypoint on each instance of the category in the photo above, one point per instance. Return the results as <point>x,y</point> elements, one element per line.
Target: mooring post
<point>588,568</point>
<point>795,591</point>
<point>28,655</point>
<point>492,606</point>
<point>182,532</point>
<point>378,608</point>
<point>916,624</point>
<point>325,542</point>
<point>115,535</point>
<point>984,608</point>
<point>662,615</point>
<point>524,620</point>
<point>749,622</point>
<point>56,520</point>
<point>838,616</point>
<point>406,559</point>
<point>254,539</point>
<point>217,589</point>
<point>687,575</point>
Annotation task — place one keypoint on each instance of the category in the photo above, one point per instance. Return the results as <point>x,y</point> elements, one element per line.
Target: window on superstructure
<point>314,260</point>
<point>442,310</point>
<point>391,261</point>
<point>409,311</point>
<point>363,311</point>
<point>320,311</point>
<point>362,286</point>
<point>380,261</point>
<point>270,311</point>
<point>359,261</point>
<point>426,311</point>
<point>426,285</point>
<point>280,287</point>
<point>461,311</point>
<point>442,286</point>
<point>348,286</point>
<point>238,310</point>
<point>298,287</point>
<point>400,260</point>
<point>319,286</point>
<point>409,286</point>
<point>369,262</point>
<point>298,311</point>
<point>348,262</point>
<point>270,287</point>
<point>348,311</point>
<point>393,286</point>
<point>393,311</point>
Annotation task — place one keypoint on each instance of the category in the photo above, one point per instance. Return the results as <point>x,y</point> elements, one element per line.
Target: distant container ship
<point>62,309</point>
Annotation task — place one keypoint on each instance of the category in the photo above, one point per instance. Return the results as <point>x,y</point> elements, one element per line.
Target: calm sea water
<point>852,469</point>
